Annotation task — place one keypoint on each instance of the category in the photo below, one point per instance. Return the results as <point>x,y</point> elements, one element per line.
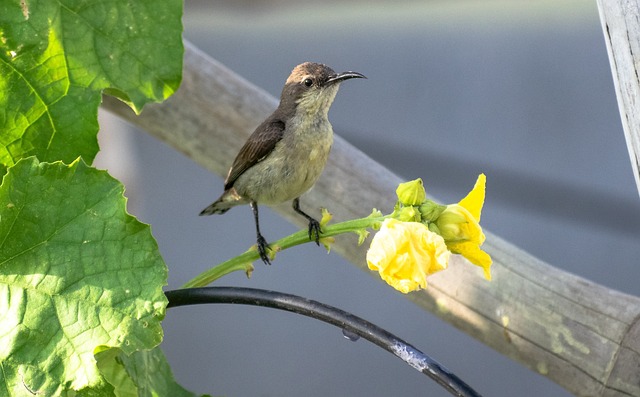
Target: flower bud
<point>430,210</point>
<point>408,214</point>
<point>456,224</point>
<point>411,193</point>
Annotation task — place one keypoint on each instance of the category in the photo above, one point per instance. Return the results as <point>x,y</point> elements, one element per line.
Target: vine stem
<point>245,260</point>
<point>349,323</point>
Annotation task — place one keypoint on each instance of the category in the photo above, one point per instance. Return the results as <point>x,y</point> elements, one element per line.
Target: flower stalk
<point>413,242</point>
<point>244,261</point>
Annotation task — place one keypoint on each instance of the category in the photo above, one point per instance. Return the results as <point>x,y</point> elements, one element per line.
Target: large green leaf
<point>77,274</point>
<point>141,374</point>
<point>56,58</point>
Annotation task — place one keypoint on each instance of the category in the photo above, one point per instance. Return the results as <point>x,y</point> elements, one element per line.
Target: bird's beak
<point>340,77</point>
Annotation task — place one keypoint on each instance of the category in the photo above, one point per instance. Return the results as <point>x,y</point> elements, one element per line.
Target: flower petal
<point>475,255</point>
<point>475,199</point>
<point>405,253</point>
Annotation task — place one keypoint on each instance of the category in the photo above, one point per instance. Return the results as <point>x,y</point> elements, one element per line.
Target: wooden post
<point>621,25</point>
<point>583,336</point>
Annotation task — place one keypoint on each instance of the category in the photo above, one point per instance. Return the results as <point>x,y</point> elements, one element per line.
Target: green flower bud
<point>408,214</point>
<point>430,210</point>
<point>455,223</point>
<point>411,193</point>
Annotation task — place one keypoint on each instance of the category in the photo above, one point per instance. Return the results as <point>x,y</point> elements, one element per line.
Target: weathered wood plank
<point>621,25</point>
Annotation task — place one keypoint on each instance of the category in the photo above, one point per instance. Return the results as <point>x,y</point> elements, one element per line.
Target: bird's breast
<point>294,165</point>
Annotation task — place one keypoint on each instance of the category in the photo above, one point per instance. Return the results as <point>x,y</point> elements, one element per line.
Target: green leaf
<point>77,274</point>
<point>56,58</point>
<point>141,374</point>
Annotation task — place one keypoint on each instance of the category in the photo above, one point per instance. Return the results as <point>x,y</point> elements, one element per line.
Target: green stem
<point>244,261</point>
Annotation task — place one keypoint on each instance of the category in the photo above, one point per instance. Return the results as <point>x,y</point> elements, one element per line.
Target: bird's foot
<point>314,225</point>
<point>263,246</point>
<point>314,230</point>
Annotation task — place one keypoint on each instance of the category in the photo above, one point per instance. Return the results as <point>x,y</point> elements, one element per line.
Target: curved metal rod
<point>349,323</point>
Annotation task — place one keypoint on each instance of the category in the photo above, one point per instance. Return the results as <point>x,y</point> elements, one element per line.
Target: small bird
<point>286,154</point>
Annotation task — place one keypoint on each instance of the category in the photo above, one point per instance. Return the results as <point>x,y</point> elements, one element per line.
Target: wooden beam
<point>579,334</point>
<point>621,25</point>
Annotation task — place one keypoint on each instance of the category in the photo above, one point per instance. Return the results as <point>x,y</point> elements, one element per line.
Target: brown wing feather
<point>257,147</point>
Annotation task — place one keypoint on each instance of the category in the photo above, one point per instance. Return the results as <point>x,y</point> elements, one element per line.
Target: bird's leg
<point>314,225</point>
<point>261,242</point>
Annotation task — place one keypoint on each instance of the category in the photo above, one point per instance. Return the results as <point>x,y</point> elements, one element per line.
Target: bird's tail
<point>230,198</point>
<point>217,207</point>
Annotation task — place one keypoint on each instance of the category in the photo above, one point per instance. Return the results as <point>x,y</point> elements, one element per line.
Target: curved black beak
<point>340,77</point>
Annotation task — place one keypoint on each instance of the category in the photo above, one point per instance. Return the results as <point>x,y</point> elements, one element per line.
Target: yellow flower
<point>411,193</point>
<point>405,253</point>
<point>459,226</point>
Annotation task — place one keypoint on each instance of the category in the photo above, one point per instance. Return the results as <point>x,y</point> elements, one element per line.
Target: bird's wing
<point>257,147</point>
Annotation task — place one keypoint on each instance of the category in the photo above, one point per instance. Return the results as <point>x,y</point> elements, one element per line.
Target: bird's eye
<point>307,82</point>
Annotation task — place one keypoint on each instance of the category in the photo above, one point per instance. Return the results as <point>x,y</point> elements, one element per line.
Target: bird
<point>286,154</point>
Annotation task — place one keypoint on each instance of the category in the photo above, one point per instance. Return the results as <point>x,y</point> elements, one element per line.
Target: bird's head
<point>311,87</point>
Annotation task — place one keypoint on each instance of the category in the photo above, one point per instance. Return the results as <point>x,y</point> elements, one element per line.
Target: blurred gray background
<point>521,91</point>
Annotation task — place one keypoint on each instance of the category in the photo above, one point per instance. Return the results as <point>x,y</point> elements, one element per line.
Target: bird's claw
<point>314,230</point>
<point>263,246</point>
